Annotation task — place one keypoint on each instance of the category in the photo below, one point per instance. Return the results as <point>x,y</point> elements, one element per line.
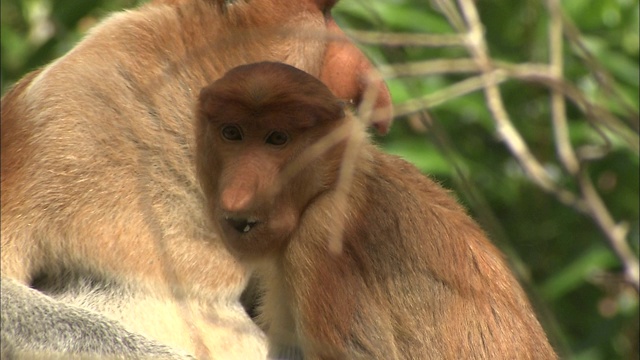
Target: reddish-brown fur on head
<point>254,210</point>
<point>248,92</point>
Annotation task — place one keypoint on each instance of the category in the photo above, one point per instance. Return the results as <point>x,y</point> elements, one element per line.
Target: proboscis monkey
<point>287,172</point>
<point>105,246</point>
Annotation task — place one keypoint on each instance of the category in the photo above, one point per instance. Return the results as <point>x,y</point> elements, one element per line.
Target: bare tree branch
<point>409,39</point>
<point>558,115</point>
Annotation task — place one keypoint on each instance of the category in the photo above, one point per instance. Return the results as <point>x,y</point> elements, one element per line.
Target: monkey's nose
<point>242,225</point>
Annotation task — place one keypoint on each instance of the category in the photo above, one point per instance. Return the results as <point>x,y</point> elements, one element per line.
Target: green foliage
<point>36,31</point>
<point>560,254</point>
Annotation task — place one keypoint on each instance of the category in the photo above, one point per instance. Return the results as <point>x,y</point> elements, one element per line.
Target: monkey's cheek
<point>284,222</point>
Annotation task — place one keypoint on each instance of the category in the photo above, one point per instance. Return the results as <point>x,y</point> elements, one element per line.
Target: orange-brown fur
<point>416,278</point>
<point>97,160</point>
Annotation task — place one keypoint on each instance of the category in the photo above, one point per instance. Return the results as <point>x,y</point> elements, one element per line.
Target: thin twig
<point>428,67</point>
<point>407,39</point>
<point>505,128</point>
<point>531,72</point>
<point>558,110</point>
<point>599,72</point>
<point>443,95</point>
<point>616,233</point>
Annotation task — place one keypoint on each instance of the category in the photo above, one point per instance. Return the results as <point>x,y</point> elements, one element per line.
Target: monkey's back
<point>417,277</point>
<point>458,292</point>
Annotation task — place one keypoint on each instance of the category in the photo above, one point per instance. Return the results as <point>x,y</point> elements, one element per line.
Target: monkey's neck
<point>320,231</point>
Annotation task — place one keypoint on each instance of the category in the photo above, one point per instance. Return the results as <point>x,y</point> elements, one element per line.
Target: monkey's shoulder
<point>397,177</point>
<point>401,202</point>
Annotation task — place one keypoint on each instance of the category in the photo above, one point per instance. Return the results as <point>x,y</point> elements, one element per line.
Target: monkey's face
<point>256,187</point>
<point>256,129</point>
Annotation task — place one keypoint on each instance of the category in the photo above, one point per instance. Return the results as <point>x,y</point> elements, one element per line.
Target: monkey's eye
<point>277,138</point>
<point>231,132</point>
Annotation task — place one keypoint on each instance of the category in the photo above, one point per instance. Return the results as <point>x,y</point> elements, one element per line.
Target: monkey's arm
<point>32,322</point>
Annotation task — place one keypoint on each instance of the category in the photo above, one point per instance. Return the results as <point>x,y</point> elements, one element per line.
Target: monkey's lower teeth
<point>250,224</point>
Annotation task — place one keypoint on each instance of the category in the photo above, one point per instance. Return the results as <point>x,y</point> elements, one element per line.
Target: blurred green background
<point>560,254</point>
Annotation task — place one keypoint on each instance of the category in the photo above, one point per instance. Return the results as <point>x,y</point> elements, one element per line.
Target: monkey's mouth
<point>241,224</point>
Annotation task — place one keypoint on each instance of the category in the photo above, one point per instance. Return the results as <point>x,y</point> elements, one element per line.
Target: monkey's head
<point>254,130</point>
